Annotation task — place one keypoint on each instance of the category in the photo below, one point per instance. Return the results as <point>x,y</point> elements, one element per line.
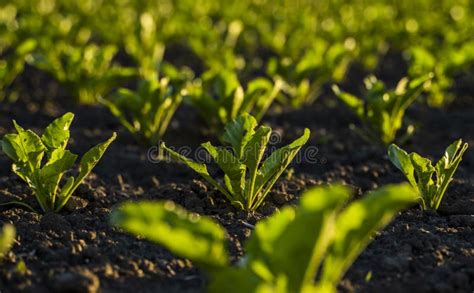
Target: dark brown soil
<point>77,250</point>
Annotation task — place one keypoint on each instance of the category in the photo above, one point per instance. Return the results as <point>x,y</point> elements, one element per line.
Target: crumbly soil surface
<point>78,251</point>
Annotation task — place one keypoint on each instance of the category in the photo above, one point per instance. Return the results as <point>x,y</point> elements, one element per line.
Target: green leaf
<point>11,147</point>
<point>424,175</point>
<point>445,169</point>
<point>66,189</point>
<point>251,158</point>
<point>280,158</point>
<point>92,157</point>
<point>28,146</point>
<point>88,162</point>
<point>24,172</point>
<point>60,161</point>
<point>238,132</point>
<point>402,161</point>
<point>255,148</point>
<point>278,243</point>
<point>261,246</point>
<point>231,166</point>
<point>7,238</point>
<point>358,223</point>
<point>452,152</point>
<point>188,235</point>
<point>56,135</point>
<point>276,163</point>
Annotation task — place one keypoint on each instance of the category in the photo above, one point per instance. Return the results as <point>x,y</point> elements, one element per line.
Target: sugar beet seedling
<point>430,181</point>
<point>247,180</point>
<point>146,112</point>
<point>301,249</point>
<point>220,98</point>
<point>28,152</point>
<point>381,111</point>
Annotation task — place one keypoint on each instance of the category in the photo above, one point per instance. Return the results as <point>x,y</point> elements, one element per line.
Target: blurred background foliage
<point>90,46</point>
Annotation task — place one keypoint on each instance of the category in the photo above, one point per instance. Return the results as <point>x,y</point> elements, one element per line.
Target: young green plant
<point>305,76</point>
<point>42,161</point>
<point>381,111</point>
<point>147,112</point>
<point>307,248</point>
<point>220,98</point>
<point>430,181</point>
<point>7,238</point>
<point>247,179</point>
<point>87,71</point>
